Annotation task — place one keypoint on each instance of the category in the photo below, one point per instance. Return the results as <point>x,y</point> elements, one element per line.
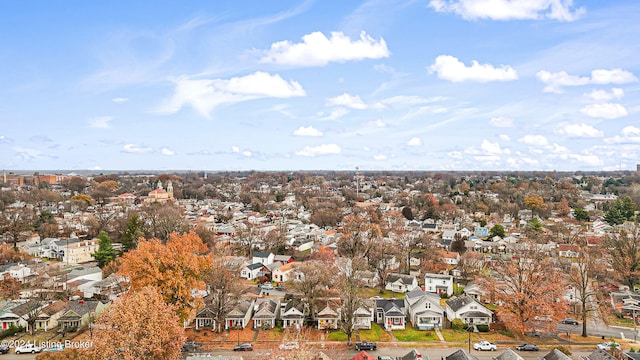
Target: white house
<point>438,283</point>
<point>264,258</point>
<point>469,310</point>
<point>401,283</point>
<point>423,309</point>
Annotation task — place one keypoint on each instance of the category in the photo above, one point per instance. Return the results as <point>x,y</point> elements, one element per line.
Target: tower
<point>170,189</point>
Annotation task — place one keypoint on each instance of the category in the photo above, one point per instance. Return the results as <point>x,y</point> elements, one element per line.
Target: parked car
<point>527,347</point>
<point>570,321</point>
<point>54,348</point>
<point>289,345</point>
<point>485,346</point>
<point>385,358</point>
<point>190,346</point>
<point>366,346</point>
<point>28,349</point>
<point>4,349</point>
<point>609,345</point>
<point>243,347</point>
<point>267,286</point>
<point>543,318</point>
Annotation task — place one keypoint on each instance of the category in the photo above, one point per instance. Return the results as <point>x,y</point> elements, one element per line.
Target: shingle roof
<point>556,354</point>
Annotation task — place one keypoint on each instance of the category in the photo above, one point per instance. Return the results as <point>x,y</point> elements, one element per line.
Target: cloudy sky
<point>320,85</point>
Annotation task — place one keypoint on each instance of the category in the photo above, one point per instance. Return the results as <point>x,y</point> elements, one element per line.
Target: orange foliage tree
<point>140,325</point>
<point>526,285</point>
<point>174,269</point>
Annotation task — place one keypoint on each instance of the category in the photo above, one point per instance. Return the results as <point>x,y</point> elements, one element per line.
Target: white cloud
<point>377,123</point>
<point>119,100</point>
<point>603,95</point>
<point>307,131</point>
<point>492,147</point>
<point>501,122</point>
<point>555,81</point>
<point>450,68</point>
<point>167,151</point>
<point>100,122</point>
<point>235,149</point>
<point>318,50</point>
<point>561,10</point>
<point>95,168</point>
<point>325,149</point>
<point>204,95</point>
<point>538,140</point>
<point>588,159</point>
<point>379,157</point>
<point>133,148</point>
<point>605,111</point>
<point>411,100</point>
<point>416,141</point>
<point>630,135</point>
<point>335,114</point>
<point>353,102</point>
<point>455,155</point>
<point>580,130</point>
<point>247,153</point>
<point>27,154</point>
<point>504,137</point>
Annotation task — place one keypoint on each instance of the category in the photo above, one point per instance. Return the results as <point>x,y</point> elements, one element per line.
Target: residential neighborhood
<point>432,254</point>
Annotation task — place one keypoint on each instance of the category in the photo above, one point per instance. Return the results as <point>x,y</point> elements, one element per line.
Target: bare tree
<point>224,292</point>
<point>350,286</point>
<point>312,280</point>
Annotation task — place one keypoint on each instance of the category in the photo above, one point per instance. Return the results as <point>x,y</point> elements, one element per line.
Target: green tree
<point>581,214</point>
<point>105,253</point>
<point>497,230</point>
<point>133,232</point>
<point>620,211</point>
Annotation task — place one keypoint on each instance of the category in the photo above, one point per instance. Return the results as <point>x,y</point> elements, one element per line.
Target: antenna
<point>357,182</point>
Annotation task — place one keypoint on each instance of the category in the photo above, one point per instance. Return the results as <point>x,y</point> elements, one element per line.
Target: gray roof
<point>460,355</point>
<point>457,303</point>
<point>508,355</point>
<point>556,354</point>
<point>601,355</point>
<point>411,355</point>
<point>406,279</point>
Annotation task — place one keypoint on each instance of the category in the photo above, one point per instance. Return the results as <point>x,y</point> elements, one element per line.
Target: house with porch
<point>48,316</point>
<point>469,310</point>
<point>390,313</point>
<point>205,319</point>
<point>329,315</point>
<point>292,314</point>
<point>423,309</point>
<point>252,271</point>
<point>401,283</point>
<point>266,312</point>
<point>438,283</point>
<point>78,314</point>
<point>364,315</point>
<point>240,315</point>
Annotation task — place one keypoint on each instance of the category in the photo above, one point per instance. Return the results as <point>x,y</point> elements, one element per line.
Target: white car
<point>28,349</point>
<point>289,345</point>
<point>485,346</point>
<point>609,345</point>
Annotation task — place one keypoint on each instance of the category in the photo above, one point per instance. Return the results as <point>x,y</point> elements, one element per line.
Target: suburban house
<point>74,251</point>
<point>368,278</point>
<point>423,309</point>
<point>253,271</point>
<point>451,257</point>
<point>205,319</point>
<point>475,291</point>
<point>19,313</point>
<point>390,313</point>
<point>283,273</point>
<point>292,314</point>
<point>401,283</point>
<point>79,314</point>
<point>264,258</point>
<point>266,311</point>
<point>240,315</point>
<point>364,315</point>
<point>438,283</point>
<point>469,310</point>
<point>329,316</point>
<point>48,316</point>
<point>568,250</point>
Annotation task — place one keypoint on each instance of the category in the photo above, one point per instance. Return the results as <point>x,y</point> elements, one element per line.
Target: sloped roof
<point>600,355</point>
<point>460,355</point>
<point>556,354</point>
<point>457,303</point>
<point>363,355</point>
<point>508,355</point>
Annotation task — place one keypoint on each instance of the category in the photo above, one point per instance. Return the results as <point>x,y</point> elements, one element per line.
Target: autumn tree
<point>163,219</point>
<point>105,253</point>
<point>526,284</point>
<point>10,288</point>
<point>14,221</point>
<point>139,325</point>
<point>357,233</point>
<point>535,203</point>
<point>314,277</point>
<point>133,232</point>
<point>623,248</point>
<point>581,272</point>
<point>82,201</point>
<point>471,264</point>
<point>563,207</point>
<point>10,254</point>
<point>175,269</point>
<point>350,285</point>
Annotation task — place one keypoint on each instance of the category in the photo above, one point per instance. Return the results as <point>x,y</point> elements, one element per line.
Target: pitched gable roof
<point>457,303</point>
<point>556,354</point>
<point>509,355</point>
<point>460,355</point>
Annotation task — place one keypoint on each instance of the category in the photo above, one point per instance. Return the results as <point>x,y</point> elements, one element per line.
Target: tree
<point>175,269</point>
<point>407,213</point>
<point>563,207</point>
<point>350,285</point>
<point>620,211</point>
<point>312,280</point>
<point>224,291</point>
<point>140,325</point>
<point>581,273</point>
<point>458,244</point>
<point>10,254</point>
<point>10,288</point>
<point>535,203</point>
<point>163,219</point>
<point>497,230</point>
<point>76,184</point>
<point>132,234</point>
<point>357,233</point>
<point>526,284</point>
<point>14,221</point>
<point>105,253</point>
<point>623,248</point>
<point>581,214</point>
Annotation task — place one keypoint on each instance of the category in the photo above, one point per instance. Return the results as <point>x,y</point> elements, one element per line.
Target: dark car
<point>527,347</point>
<point>243,347</point>
<point>570,321</point>
<point>190,346</point>
<point>4,349</point>
<point>366,346</point>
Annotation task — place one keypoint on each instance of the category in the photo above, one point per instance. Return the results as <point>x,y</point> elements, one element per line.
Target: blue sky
<point>320,85</point>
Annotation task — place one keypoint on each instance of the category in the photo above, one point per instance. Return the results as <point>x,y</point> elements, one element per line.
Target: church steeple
<point>170,189</point>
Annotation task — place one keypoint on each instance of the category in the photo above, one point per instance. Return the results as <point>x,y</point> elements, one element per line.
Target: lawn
<point>387,294</point>
<point>375,334</point>
<point>411,334</point>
